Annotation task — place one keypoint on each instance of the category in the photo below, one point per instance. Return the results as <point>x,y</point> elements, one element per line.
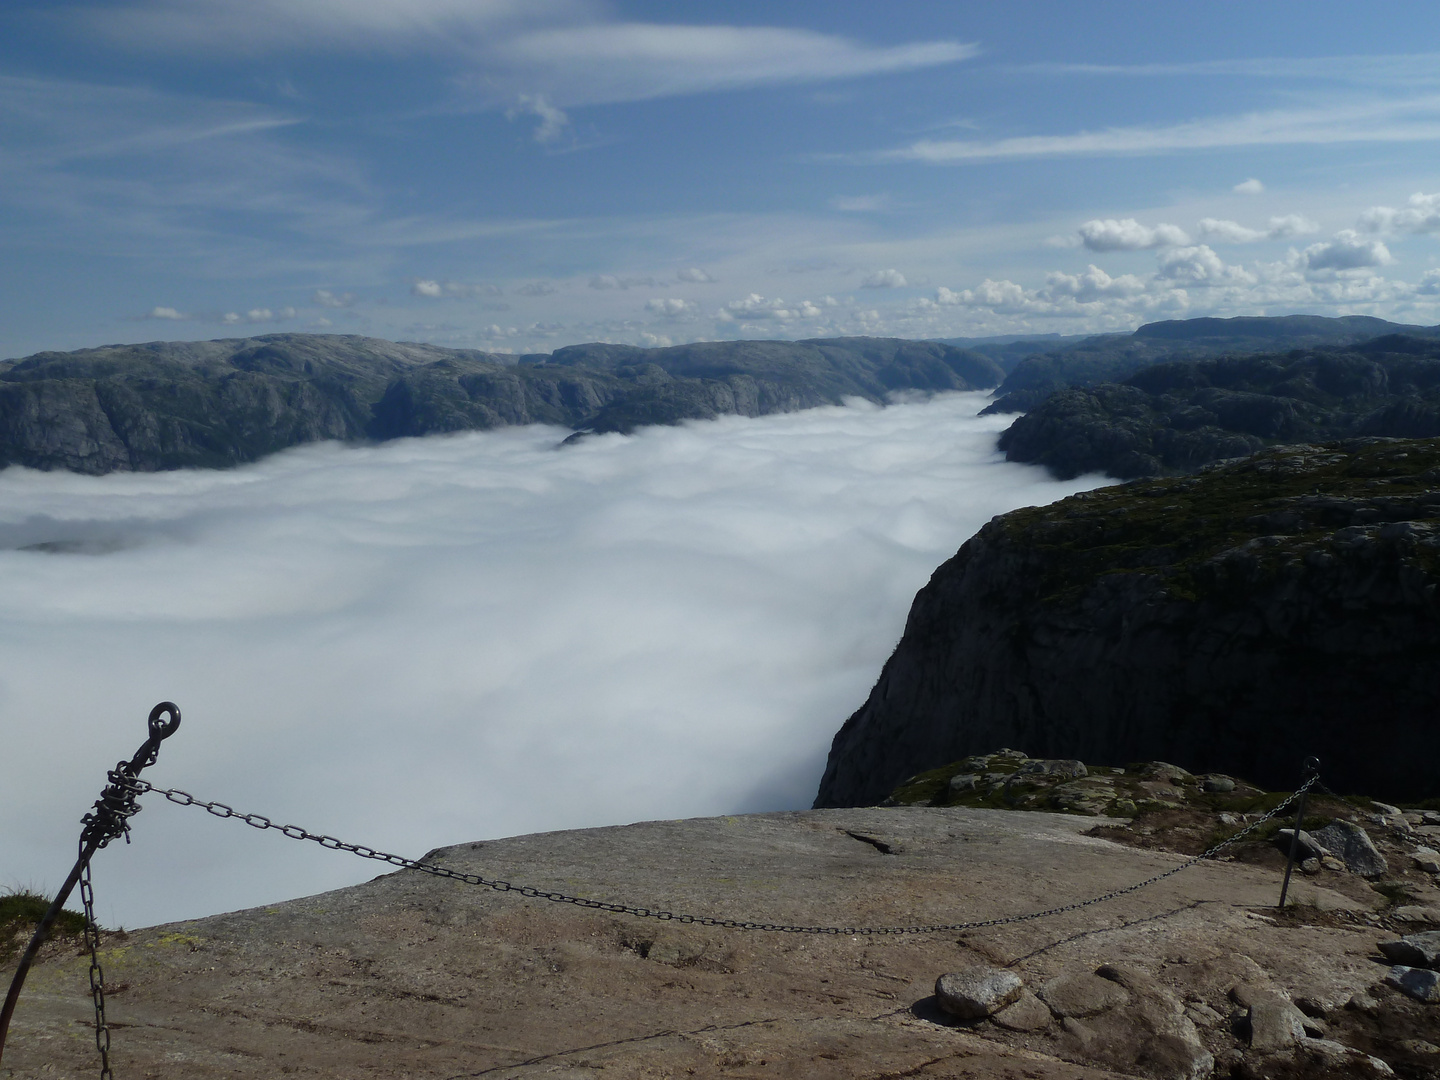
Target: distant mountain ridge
<point>1115,357</point>
<point>215,404</point>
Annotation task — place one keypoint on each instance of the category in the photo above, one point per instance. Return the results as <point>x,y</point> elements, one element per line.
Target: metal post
<point>104,823</point>
<point>1312,768</point>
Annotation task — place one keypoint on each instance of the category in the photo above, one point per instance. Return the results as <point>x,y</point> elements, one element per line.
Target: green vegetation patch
<point>21,912</point>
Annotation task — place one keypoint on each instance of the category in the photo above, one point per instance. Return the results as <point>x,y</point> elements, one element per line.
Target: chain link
<point>294,832</point>
<point>97,974</point>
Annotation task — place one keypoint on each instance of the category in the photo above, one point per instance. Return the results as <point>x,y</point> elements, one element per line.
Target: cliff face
<point>1233,621</point>
<point>169,405</point>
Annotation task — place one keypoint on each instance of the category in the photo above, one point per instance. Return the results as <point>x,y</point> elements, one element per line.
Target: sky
<point>517,175</point>
<point>441,640</point>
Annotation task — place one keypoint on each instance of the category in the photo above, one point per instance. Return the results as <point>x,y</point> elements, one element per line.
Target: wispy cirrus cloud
<point>1402,69</point>
<point>1411,120</point>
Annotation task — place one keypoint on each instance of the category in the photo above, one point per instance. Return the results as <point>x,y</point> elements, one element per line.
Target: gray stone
<point>1414,950</point>
<point>1422,984</point>
<point>1275,1023</point>
<point>1426,859</point>
<point>963,782</point>
<point>977,992</point>
<point>1331,1056</point>
<point>1082,994</point>
<point>1309,847</point>
<point>1026,1013</point>
<point>1418,913</point>
<point>1219,784</point>
<point>1352,844</point>
<point>1066,767</point>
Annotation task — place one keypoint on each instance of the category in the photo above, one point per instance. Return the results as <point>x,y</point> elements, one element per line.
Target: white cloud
<point>306,25</point>
<point>1415,119</point>
<point>392,643</point>
<point>459,290</point>
<point>535,288</point>
<point>1248,187</point>
<point>884,279</point>
<point>165,313</point>
<point>670,308</point>
<point>1420,215</point>
<point>655,341</point>
<point>326,298</point>
<point>1093,284</point>
<point>1127,234</point>
<point>755,306</point>
<point>1279,228</point>
<point>694,275</point>
<point>553,121</point>
<point>1429,283</point>
<point>1348,251</point>
<point>599,62</point>
<point>1200,266</point>
<point>611,281</point>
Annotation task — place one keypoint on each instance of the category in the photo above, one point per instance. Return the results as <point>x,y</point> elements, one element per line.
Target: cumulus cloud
<point>694,275</point>
<point>1348,251</point>
<point>326,298</point>
<point>458,290</point>
<point>670,308</point>
<point>1429,283</point>
<point>755,307</point>
<point>535,288</point>
<point>164,313</point>
<point>883,279</point>
<point>611,281</point>
<point>256,315</point>
<point>1278,228</point>
<point>1127,234</point>
<point>391,644</point>
<point>1093,284</point>
<point>1420,215</point>
<point>1249,187</point>
<point>1199,266</point>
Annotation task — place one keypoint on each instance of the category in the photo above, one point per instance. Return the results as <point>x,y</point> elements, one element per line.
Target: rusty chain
<point>97,974</point>
<point>295,832</point>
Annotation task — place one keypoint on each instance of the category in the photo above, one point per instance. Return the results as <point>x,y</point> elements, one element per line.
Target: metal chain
<point>294,832</point>
<point>97,974</point>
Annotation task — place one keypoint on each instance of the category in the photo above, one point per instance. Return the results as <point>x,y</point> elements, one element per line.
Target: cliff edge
<point>1232,621</point>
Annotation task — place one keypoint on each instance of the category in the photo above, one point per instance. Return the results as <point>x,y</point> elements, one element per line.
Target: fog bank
<point>451,639</point>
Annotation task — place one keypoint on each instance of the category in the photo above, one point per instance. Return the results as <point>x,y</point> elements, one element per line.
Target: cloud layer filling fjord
<point>449,639</point>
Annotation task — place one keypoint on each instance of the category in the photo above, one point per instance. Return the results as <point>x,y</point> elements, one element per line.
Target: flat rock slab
<point>414,976</point>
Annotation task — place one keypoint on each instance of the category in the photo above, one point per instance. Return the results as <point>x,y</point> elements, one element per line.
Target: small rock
<point>977,992</point>
<point>1082,994</point>
<point>1163,770</point>
<point>1426,859</point>
<point>1414,950</point>
<point>1310,866</point>
<point>1202,1015</point>
<point>1422,984</point>
<point>1309,847</point>
<point>1229,820</point>
<point>1416,913</point>
<point>1352,844</point>
<point>1362,1002</point>
<point>1419,1047</point>
<point>1275,1023</point>
<point>962,783</point>
<point>1066,767</point>
<point>1027,1013</point>
<point>1333,1056</point>
<point>1330,862</point>
<point>1387,809</point>
<point>1219,784</point>
<point>1432,817</point>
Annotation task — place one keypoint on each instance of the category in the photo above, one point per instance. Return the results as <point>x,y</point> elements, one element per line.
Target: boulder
<point>1414,950</point>
<point>1026,1013</point>
<point>1275,1023</point>
<point>1309,848</point>
<point>1067,767</point>
<point>1080,994</point>
<point>1352,845</point>
<point>1426,859</point>
<point>977,992</point>
<point>1422,984</point>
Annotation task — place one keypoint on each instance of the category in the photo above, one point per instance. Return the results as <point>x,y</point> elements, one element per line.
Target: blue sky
<point>517,175</point>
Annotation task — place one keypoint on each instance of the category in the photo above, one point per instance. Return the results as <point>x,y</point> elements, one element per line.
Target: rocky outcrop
<point>1232,622</point>
<point>213,404</point>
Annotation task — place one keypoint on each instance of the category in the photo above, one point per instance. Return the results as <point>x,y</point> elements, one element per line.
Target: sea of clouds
<point>463,637</point>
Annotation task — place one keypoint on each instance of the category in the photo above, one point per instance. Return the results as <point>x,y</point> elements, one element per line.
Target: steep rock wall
<point>1235,621</point>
